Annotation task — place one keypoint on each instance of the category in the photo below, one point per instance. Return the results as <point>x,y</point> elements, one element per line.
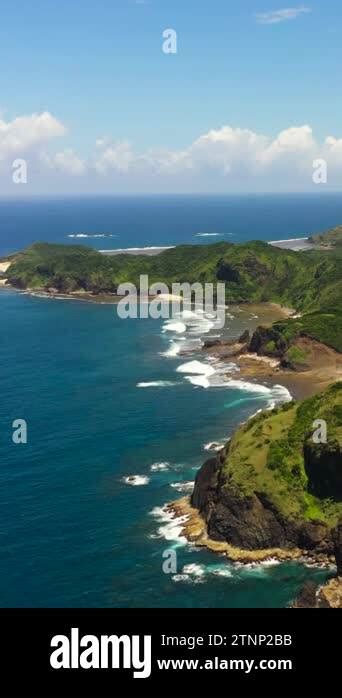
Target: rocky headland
<point>273,492</point>
<point>300,362</point>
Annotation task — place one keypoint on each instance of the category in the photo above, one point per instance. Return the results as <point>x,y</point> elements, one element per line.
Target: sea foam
<point>199,372</point>
<point>136,480</point>
<point>174,326</point>
<point>213,446</point>
<point>186,486</point>
<point>156,467</point>
<point>156,384</point>
<point>172,526</point>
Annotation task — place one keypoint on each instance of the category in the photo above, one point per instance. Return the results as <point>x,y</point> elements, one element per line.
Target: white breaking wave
<point>182,344</point>
<point>201,325</point>
<point>207,235</point>
<point>250,387</point>
<point>281,394</point>
<point>194,323</point>
<point>136,480</point>
<point>197,367</point>
<point>258,566</point>
<point>195,569</point>
<point>139,249</point>
<point>206,375</point>
<point>173,349</point>
<point>213,446</point>
<point>186,486</point>
<point>174,326</point>
<point>156,384</point>
<point>160,466</point>
<point>92,235</point>
<point>197,573</point>
<point>214,375</point>
<point>180,578</point>
<point>172,526</point>
<point>277,392</point>
<point>200,381</point>
<point>223,571</point>
<point>200,370</point>
<point>273,242</point>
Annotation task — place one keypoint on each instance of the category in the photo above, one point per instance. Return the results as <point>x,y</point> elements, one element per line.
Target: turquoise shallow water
<point>72,531</point>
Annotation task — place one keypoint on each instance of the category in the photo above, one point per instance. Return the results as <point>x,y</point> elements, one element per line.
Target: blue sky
<point>98,69</point>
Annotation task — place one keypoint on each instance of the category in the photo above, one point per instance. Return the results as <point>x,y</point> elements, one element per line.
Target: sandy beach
<point>325,367</point>
<point>324,364</point>
<point>3,268</point>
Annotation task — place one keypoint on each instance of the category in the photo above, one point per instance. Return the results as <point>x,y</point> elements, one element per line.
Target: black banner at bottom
<point>170,652</point>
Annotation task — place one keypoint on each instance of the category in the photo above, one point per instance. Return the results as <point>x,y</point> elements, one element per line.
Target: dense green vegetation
<point>309,281</point>
<point>274,453</point>
<point>330,237</point>
<point>278,340</point>
<point>254,271</point>
<point>324,327</point>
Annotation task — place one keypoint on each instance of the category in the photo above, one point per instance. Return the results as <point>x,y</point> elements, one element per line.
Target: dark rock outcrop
<point>337,540</point>
<point>251,522</point>
<point>268,341</point>
<point>245,337</point>
<point>209,343</point>
<point>314,535</point>
<point>307,596</point>
<point>226,272</point>
<point>330,594</point>
<point>323,465</point>
<point>205,486</point>
<point>248,522</point>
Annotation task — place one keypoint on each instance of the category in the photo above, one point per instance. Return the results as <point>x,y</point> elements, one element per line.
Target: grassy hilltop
<point>274,453</point>
<point>272,489</point>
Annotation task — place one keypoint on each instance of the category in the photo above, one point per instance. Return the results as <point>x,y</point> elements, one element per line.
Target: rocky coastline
<point>230,514</point>
<point>318,367</point>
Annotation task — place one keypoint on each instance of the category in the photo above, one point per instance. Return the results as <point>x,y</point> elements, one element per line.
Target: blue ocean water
<point>165,220</point>
<point>73,530</point>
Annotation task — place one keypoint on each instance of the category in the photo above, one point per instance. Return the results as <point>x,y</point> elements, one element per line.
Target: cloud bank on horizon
<point>229,158</point>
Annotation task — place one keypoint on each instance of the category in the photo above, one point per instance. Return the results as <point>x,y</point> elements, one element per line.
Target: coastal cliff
<point>272,485</point>
<point>252,522</point>
<point>273,492</point>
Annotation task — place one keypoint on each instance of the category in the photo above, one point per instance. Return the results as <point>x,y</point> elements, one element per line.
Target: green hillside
<point>331,237</point>
<point>274,454</point>
<point>252,272</point>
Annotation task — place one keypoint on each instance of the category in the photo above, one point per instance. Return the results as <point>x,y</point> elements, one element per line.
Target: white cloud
<point>277,16</point>
<point>224,150</point>
<point>27,132</point>
<point>227,158</point>
<point>113,156</point>
<point>233,153</point>
<point>65,161</point>
<point>295,140</point>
